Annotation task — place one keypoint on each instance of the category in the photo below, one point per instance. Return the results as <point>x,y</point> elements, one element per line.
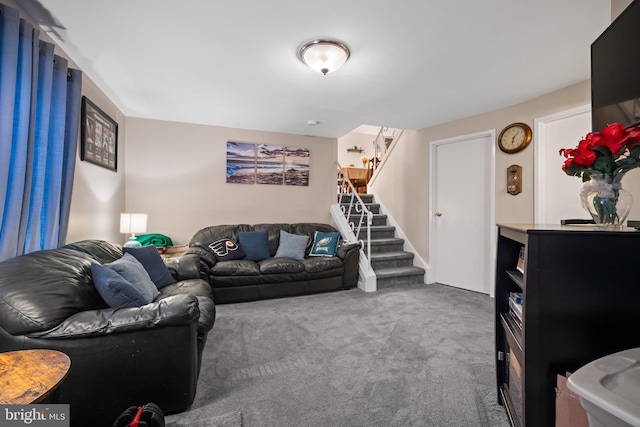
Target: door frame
<point>491,193</point>
<point>539,152</point>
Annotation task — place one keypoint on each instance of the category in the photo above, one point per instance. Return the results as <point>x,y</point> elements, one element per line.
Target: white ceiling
<point>414,63</point>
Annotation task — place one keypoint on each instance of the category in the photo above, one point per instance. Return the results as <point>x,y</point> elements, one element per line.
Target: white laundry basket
<point>609,389</point>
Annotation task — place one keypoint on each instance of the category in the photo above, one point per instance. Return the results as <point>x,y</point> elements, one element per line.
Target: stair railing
<point>382,153</point>
<point>379,146</point>
<point>355,212</point>
<point>382,145</point>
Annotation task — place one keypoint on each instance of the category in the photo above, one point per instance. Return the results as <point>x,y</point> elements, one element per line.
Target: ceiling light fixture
<point>324,55</point>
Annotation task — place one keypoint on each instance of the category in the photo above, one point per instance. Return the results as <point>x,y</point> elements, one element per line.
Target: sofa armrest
<point>184,267</point>
<point>206,260</point>
<point>345,249</point>
<point>172,311</point>
<point>350,254</point>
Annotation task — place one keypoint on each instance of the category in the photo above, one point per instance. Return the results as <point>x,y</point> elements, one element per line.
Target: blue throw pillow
<point>324,244</point>
<point>150,259</point>
<point>255,244</point>
<point>131,269</point>
<point>291,246</point>
<point>114,289</point>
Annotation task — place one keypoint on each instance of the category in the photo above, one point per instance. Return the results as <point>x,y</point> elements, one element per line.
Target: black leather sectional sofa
<point>240,280</point>
<point>120,357</point>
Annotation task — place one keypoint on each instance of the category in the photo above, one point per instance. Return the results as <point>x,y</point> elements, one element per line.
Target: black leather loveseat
<point>120,357</point>
<point>275,276</point>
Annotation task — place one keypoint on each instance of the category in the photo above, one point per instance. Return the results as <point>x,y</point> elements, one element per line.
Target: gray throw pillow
<point>291,246</point>
<point>131,269</point>
<point>114,289</point>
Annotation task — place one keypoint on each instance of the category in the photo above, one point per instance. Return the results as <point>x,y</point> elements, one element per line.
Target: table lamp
<point>133,223</point>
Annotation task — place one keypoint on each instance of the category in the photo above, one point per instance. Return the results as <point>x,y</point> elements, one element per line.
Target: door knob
<point>438,213</point>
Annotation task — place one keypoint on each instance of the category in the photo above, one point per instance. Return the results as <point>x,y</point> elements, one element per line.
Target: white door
<point>462,215</point>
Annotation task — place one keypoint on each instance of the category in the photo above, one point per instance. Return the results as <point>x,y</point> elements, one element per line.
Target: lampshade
<point>324,56</point>
<point>133,223</point>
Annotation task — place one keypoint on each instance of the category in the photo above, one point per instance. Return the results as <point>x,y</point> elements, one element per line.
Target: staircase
<point>392,265</point>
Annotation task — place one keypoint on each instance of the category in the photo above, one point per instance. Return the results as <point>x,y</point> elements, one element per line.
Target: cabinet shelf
<point>517,277</point>
<point>514,334</point>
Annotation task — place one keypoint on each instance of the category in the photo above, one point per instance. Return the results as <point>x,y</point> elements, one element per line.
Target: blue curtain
<point>39,121</point>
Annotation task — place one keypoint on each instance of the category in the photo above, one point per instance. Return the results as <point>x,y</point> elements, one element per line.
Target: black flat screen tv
<point>615,71</point>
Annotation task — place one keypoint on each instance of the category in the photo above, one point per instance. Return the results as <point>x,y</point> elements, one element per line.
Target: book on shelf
<point>516,297</point>
<point>515,307</point>
<point>516,319</point>
<point>520,264</point>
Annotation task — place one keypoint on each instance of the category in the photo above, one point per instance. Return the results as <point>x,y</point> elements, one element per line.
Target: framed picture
<point>296,166</point>
<point>267,164</point>
<point>98,136</point>
<point>241,162</point>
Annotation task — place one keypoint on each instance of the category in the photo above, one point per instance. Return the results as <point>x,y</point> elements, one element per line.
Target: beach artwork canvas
<point>296,166</point>
<point>241,162</point>
<point>270,164</point>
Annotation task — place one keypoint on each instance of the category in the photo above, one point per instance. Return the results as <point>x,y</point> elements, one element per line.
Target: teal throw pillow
<point>324,243</point>
<point>131,269</point>
<point>114,289</point>
<point>255,244</point>
<point>150,259</point>
<point>291,246</point>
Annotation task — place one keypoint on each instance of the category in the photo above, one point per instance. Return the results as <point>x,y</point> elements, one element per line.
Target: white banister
<point>351,219</point>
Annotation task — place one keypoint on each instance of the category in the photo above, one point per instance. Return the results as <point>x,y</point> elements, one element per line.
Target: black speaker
<point>149,415</point>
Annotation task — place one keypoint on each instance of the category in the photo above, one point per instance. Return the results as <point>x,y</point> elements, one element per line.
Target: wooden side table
<point>28,376</point>
<point>173,251</point>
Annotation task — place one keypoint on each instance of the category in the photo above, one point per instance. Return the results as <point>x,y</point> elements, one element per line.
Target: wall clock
<point>514,138</point>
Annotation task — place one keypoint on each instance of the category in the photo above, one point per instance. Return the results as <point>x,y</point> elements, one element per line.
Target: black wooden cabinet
<point>581,301</point>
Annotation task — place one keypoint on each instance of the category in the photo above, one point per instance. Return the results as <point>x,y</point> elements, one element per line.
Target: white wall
<point>98,193</point>
<point>403,182</point>
<point>362,140</point>
<point>402,185</point>
<point>176,173</point>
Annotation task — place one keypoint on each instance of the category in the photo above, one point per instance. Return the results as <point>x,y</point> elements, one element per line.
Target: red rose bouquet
<point>601,159</point>
<point>612,152</point>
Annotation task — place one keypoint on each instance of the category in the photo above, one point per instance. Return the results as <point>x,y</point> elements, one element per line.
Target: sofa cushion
<point>238,267</point>
<point>226,250</point>
<point>131,269</point>
<point>114,289</point>
<point>280,265</point>
<point>255,244</point>
<point>320,264</point>
<point>291,246</point>
<point>324,244</point>
<point>150,259</point>
<point>63,290</point>
<point>101,251</point>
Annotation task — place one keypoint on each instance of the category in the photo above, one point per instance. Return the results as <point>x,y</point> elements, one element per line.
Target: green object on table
<point>155,239</point>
